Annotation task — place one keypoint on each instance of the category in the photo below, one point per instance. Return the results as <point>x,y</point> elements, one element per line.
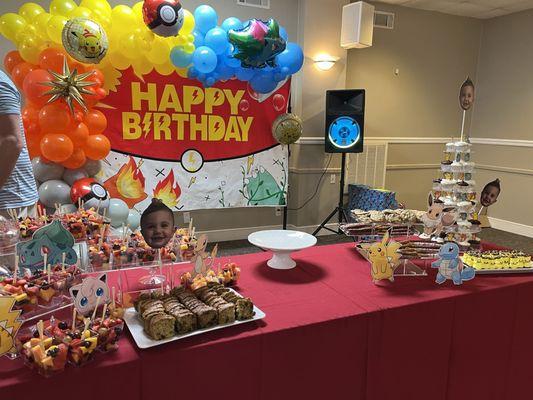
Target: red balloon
<point>33,88</point>
<point>56,147</point>
<point>76,160</point>
<point>34,147</point>
<point>79,134</point>
<point>12,59</point>
<point>32,130</point>
<point>52,59</point>
<point>54,118</point>
<point>97,147</point>
<point>95,121</point>
<point>20,71</point>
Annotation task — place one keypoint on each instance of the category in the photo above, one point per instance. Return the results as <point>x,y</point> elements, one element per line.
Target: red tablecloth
<point>330,333</point>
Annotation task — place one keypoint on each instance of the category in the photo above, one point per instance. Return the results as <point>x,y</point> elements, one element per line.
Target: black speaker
<point>345,121</point>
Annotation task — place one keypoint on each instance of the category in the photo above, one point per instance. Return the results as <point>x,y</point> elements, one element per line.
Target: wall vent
<point>255,3</point>
<point>369,167</point>
<point>383,20</point>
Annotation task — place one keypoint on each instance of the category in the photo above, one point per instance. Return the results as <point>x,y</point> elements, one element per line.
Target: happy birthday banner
<point>191,146</point>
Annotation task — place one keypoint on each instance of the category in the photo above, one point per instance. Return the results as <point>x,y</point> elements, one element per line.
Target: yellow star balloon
<point>69,86</point>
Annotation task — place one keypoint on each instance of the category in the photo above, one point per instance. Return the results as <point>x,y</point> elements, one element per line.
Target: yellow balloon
<point>190,38</point>
<point>81,12</point>
<point>160,52</point>
<point>29,50</point>
<point>188,23</point>
<point>165,69</point>
<point>101,18</point>
<point>141,66</point>
<point>118,60</point>
<point>55,27</point>
<point>189,48</point>
<point>123,16</point>
<point>128,45</point>
<point>183,72</point>
<point>138,10</point>
<point>62,7</point>
<point>30,31</point>
<point>94,5</point>
<point>41,24</point>
<point>11,24</point>
<point>29,11</point>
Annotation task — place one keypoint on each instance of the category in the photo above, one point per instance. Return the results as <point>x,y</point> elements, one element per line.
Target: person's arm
<point>10,145</point>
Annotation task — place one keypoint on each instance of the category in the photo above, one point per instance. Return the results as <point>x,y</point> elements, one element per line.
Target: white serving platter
<point>143,341</point>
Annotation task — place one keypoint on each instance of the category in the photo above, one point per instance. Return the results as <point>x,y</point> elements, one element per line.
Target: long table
<point>329,333</point>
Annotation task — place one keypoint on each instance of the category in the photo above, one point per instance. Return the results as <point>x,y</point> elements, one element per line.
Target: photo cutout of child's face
<point>157,228</point>
<point>489,195</point>
<point>466,95</point>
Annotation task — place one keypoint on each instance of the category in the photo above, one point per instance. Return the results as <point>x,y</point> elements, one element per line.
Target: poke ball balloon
<point>287,128</point>
<point>163,17</point>
<point>85,40</point>
<point>90,192</point>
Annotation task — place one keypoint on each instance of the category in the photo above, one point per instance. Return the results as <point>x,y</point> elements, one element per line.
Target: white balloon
<point>72,175</point>
<point>92,167</point>
<point>117,212</point>
<point>134,220</point>
<point>68,209</point>
<point>54,192</point>
<point>46,171</point>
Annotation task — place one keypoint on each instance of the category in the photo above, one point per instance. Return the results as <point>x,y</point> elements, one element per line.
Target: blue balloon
<point>283,33</point>
<point>263,82</point>
<point>210,81</point>
<point>245,74</point>
<point>198,38</point>
<point>180,58</point>
<point>224,71</point>
<point>232,23</point>
<point>204,59</point>
<point>291,58</point>
<point>232,62</point>
<point>206,18</point>
<point>217,39</point>
<point>192,73</point>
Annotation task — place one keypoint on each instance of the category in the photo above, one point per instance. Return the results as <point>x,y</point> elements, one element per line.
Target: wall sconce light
<point>325,62</point>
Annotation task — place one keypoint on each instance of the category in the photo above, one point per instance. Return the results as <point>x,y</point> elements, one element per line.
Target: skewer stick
<point>190,227</point>
<point>79,203</point>
<point>40,328</point>
<point>49,272</point>
<point>63,256</point>
<point>104,311</point>
<point>463,126</point>
<point>16,271</point>
<point>95,308</point>
<point>113,304</point>
<point>45,261</point>
<point>73,318</point>
<point>86,322</point>
<point>99,204</point>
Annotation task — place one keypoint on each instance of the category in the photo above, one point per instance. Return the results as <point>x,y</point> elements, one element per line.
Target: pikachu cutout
<point>9,325</point>
<point>384,258</point>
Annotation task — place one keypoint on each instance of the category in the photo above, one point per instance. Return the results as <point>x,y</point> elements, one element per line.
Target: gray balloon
<point>54,192</point>
<point>68,209</point>
<point>92,167</point>
<point>72,175</point>
<point>46,171</point>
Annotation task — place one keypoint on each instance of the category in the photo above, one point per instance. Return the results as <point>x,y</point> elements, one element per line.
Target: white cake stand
<point>282,243</point>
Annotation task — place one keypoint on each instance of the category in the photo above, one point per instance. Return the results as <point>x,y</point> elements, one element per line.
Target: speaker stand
<point>340,207</point>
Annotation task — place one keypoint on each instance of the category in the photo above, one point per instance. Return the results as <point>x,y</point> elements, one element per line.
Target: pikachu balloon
<point>384,258</point>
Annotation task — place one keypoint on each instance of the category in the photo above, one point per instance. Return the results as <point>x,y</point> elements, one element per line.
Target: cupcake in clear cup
<point>446,170</point>
<point>471,194</point>
<point>461,147</point>
<point>437,188</point>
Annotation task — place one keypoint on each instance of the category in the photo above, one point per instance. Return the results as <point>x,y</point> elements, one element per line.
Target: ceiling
<point>471,8</point>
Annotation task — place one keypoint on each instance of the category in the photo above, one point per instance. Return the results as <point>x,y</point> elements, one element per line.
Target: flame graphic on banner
<point>127,184</point>
<point>168,191</point>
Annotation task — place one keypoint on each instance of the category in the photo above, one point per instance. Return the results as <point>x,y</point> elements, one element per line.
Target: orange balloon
<point>56,147</point>
<point>19,72</point>
<point>30,115</point>
<point>97,147</point>
<point>97,77</point>
<point>11,60</point>
<point>32,130</point>
<point>91,99</point>
<point>95,121</point>
<point>54,118</point>
<point>33,88</point>
<point>34,147</point>
<point>76,160</point>
<point>52,58</point>
<point>79,134</point>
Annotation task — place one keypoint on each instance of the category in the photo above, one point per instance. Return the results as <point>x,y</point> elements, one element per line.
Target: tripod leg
<point>322,225</point>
